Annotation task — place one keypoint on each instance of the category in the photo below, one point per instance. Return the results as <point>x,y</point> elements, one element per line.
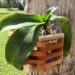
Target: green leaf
<point>17,18</point>
<point>66,29</point>
<point>48,13</point>
<point>21,25</point>
<point>53,17</point>
<point>14,43</point>
<point>18,49</point>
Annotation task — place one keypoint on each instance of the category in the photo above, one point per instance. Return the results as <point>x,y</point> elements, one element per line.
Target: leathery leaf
<point>23,46</point>
<point>66,29</point>
<point>48,13</point>
<point>17,18</point>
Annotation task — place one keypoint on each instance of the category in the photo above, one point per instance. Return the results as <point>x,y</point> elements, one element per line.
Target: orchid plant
<point>27,29</point>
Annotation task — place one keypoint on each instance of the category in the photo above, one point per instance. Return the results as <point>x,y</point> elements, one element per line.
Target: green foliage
<point>20,45</point>
<point>17,18</point>
<point>28,26</point>
<point>49,12</point>
<point>21,25</point>
<point>66,29</point>
<point>6,68</point>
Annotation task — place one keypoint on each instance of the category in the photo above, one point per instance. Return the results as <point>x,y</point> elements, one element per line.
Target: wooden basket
<point>48,52</point>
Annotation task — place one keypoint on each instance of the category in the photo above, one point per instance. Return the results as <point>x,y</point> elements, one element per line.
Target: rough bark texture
<point>67,8</point>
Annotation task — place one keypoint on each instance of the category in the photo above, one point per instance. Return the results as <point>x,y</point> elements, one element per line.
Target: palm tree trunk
<point>67,8</point>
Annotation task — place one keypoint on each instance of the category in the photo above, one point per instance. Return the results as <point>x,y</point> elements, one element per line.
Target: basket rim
<point>51,37</point>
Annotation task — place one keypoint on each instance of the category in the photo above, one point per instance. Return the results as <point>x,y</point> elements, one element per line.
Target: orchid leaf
<point>48,13</point>
<point>17,18</point>
<point>20,45</point>
<point>21,25</point>
<point>66,29</point>
<point>14,43</point>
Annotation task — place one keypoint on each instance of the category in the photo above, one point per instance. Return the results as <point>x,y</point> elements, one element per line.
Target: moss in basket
<point>27,29</point>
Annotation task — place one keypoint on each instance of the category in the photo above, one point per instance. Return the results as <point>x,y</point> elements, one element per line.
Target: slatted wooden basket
<point>48,52</point>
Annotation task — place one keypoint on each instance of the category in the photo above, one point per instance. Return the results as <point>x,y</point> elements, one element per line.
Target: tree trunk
<point>66,8</point>
<point>8,4</point>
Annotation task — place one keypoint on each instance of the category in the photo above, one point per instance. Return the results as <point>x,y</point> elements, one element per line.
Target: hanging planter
<point>48,52</point>
<point>20,49</point>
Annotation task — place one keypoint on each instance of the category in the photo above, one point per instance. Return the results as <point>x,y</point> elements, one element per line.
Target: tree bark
<point>66,8</point>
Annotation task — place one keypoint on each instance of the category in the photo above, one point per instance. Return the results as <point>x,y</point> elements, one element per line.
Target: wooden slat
<point>54,63</point>
<point>41,44</point>
<point>44,67</point>
<point>39,62</point>
<point>54,46</point>
<point>42,49</point>
<point>55,54</point>
<point>38,54</point>
<point>51,37</point>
